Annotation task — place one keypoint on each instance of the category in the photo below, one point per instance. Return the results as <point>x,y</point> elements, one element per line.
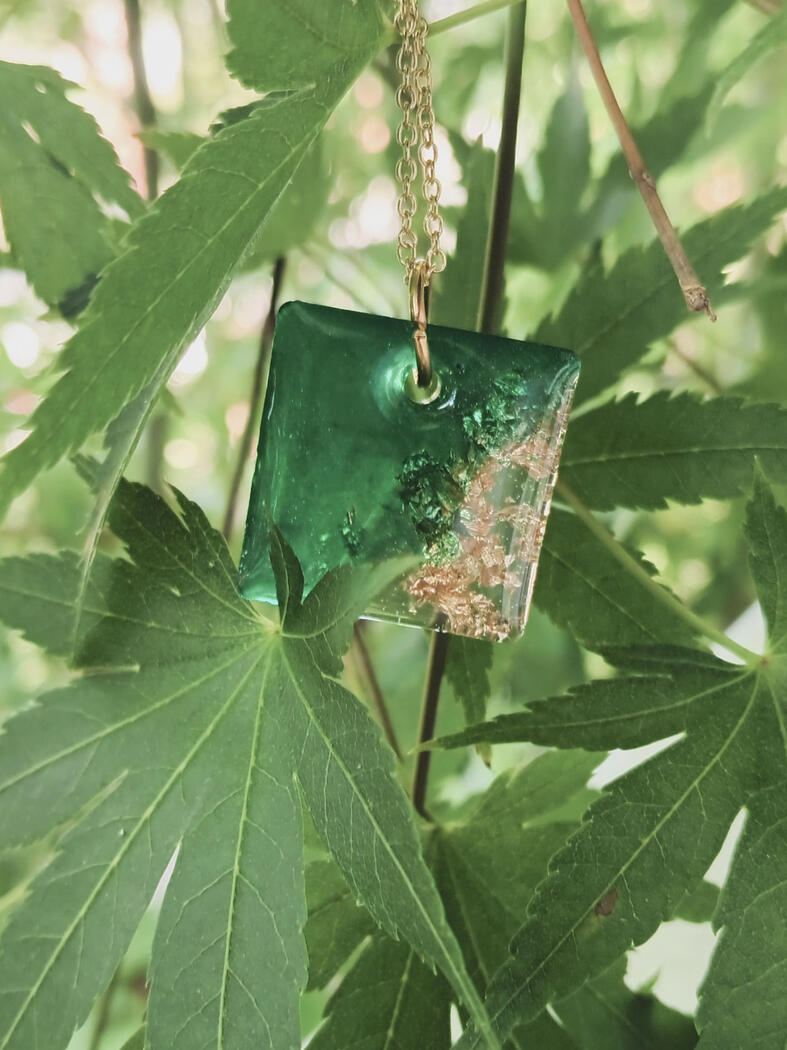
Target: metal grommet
<point>422,395</point>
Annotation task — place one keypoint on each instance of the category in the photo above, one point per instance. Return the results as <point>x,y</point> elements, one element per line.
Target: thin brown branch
<point>438,651</point>
<point>768,7</point>
<point>143,103</point>
<point>491,304</point>
<point>489,313</point>
<point>258,384</point>
<point>694,292</point>
<point>375,693</point>
<point>702,373</point>
<point>158,427</point>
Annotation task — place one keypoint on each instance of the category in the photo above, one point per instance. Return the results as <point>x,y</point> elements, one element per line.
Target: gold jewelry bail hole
<point>419,279</point>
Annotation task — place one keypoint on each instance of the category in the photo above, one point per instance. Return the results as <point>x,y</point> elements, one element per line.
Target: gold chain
<point>416,137</point>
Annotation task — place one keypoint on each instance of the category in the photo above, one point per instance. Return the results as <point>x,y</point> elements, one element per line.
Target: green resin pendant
<point>353,469</point>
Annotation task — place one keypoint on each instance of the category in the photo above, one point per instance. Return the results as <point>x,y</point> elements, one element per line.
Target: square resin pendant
<point>352,470</point>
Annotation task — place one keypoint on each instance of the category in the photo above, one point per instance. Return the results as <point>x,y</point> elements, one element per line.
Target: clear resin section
<point>458,490</point>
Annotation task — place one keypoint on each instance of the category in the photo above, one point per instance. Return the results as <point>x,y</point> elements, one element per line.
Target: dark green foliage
<point>467,669</point>
<point>630,454</point>
<point>580,586</point>
<point>389,999</point>
<point>605,1015</point>
<point>668,816</point>
<point>215,711</point>
<point>612,316</point>
<point>181,256</point>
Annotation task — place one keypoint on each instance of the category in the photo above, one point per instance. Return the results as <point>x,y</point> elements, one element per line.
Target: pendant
<point>357,464</point>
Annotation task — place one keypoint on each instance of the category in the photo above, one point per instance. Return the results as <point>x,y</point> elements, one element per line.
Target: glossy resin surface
<point>352,470</point>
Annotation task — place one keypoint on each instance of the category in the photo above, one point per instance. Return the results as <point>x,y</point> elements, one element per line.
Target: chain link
<point>416,137</point>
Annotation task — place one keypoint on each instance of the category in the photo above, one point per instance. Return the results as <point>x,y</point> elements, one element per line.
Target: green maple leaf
<point>581,586</point>
<point>655,831</point>
<point>388,998</point>
<point>486,865</point>
<point>336,924</point>
<point>606,1015</point>
<point>545,234</point>
<point>629,454</point>
<point>564,168</point>
<point>292,218</point>
<point>179,258</point>
<point>388,1001</point>
<point>55,168</point>
<point>467,667</point>
<point>772,35</point>
<point>742,998</point>
<point>489,863</point>
<point>611,318</point>
<point>456,296</point>
<point>201,726</point>
<point>136,1042</point>
<point>663,140</point>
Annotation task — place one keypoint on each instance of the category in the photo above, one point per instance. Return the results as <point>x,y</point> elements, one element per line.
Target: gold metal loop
<point>419,279</point>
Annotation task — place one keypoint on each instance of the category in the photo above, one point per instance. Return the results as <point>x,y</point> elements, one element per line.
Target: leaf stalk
<point>143,103</point>
<point>258,384</point>
<point>461,18</point>
<point>376,696</point>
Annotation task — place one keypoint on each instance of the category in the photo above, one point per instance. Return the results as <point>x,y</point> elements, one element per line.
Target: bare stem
<point>438,651</point>
<point>143,103</point>
<point>158,426</point>
<point>659,593</point>
<point>694,292</point>
<point>376,697</point>
<point>258,384</point>
<point>491,304</point>
<point>768,7</point>
<point>489,316</point>
<point>155,440</point>
<point>702,373</point>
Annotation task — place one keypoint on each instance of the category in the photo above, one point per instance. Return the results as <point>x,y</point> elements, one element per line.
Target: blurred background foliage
<point>336,227</point>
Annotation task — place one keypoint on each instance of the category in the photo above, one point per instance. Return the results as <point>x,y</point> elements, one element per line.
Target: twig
<point>702,373</point>
<point>438,651</point>
<point>143,103</point>
<point>694,292</point>
<point>659,593</point>
<point>376,696</point>
<point>768,7</point>
<point>258,384</point>
<point>489,313</point>
<point>491,305</point>
<point>146,115</point>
